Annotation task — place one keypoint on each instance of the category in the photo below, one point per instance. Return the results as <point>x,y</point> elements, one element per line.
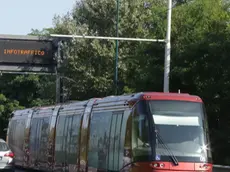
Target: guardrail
<point>221,168</point>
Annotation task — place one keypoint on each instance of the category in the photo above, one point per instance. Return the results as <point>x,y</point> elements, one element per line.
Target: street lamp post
<point>168,48</point>
<point>117,50</point>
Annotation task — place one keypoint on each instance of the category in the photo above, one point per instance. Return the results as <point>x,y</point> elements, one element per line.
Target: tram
<point>141,132</point>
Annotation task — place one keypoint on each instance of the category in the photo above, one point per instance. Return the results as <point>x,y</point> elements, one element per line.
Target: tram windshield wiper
<point>172,157</point>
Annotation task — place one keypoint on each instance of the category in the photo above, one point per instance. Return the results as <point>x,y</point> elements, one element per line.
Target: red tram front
<point>169,133</point>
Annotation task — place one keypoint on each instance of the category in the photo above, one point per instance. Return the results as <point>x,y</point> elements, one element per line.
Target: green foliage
<point>200,63</point>
<point>27,88</point>
<point>7,106</point>
<point>43,32</point>
<point>18,91</point>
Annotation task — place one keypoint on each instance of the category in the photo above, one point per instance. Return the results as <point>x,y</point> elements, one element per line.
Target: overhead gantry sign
<point>27,54</point>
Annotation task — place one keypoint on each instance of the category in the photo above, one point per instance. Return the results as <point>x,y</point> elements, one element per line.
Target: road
<point>19,171</point>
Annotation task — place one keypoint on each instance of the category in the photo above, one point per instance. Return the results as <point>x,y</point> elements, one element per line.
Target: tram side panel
<point>27,138</point>
<point>107,140</point>
<point>39,135</point>
<point>67,137</point>
<point>51,143</point>
<point>10,133</point>
<point>84,137</point>
<point>32,142</point>
<point>17,129</point>
<point>92,139</point>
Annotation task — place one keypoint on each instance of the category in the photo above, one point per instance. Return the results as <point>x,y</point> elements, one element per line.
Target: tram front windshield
<point>164,128</point>
<point>181,127</point>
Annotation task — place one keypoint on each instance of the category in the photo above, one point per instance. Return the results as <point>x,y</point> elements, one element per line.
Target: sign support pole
<point>58,77</point>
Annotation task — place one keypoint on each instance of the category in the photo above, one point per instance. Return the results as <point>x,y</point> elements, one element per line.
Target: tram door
<point>62,142</point>
<point>106,143</point>
<point>115,142</point>
<point>70,142</point>
<point>66,141</point>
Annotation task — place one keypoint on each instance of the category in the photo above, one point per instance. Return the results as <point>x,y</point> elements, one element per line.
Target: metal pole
<point>168,48</point>
<point>61,90</point>
<point>58,88</point>
<point>58,78</point>
<point>107,38</point>
<point>116,57</point>
<point>26,73</point>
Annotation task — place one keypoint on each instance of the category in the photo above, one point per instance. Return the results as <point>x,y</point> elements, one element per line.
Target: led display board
<point>27,53</point>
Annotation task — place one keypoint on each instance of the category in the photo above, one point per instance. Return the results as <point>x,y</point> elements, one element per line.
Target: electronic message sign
<point>27,54</point>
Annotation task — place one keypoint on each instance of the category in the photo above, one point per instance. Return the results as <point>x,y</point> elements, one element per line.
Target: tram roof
<point>120,98</point>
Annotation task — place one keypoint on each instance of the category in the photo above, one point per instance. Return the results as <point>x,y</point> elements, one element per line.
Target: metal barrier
<point>221,168</point>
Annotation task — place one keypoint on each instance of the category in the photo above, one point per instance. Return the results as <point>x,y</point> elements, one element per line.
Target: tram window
<point>117,141</point>
<point>16,134</point>
<point>12,138</point>
<point>38,137</point>
<point>22,133</point>
<point>19,134</point>
<point>44,138</point>
<point>99,140</point>
<point>140,136</point>
<point>67,134</point>
<point>11,134</point>
<point>59,140</point>
<point>115,147</point>
<point>112,141</point>
<point>74,145</point>
<point>33,135</point>
<point>125,136</point>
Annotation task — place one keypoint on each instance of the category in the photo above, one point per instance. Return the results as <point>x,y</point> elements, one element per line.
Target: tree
<point>7,106</point>
<point>92,61</point>
<point>27,89</point>
<point>199,66</point>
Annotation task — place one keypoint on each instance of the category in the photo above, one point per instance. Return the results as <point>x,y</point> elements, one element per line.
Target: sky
<point>18,17</point>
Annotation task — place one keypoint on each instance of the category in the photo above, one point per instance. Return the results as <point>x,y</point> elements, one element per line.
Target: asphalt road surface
<point>19,170</point>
